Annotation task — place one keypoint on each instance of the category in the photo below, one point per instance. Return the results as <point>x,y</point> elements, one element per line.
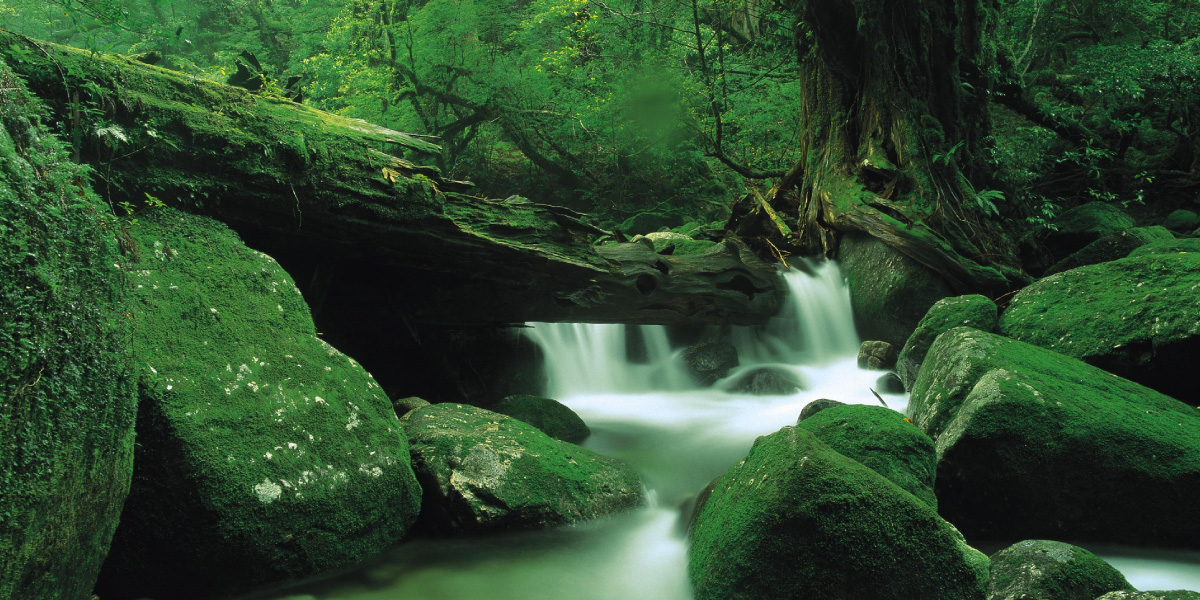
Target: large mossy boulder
<point>550,416</point>
<point>1182,220</point>
<point>1112,247</point>
<point>67,402</point>
<point>889,292</point>
<point>1035,444</point>
<point>961,311</point>
<point>1136,317</point>
<point>263,453</point>
<point>1084,224</point>
<point>1049,570</point>
<point>796,519</point>
<point>482,470</point>
<point>879,438</point>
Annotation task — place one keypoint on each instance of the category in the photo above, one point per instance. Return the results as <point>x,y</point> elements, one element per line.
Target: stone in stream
<point>796,519</point>
<point>960,311</point>
<point>1035,444</point>
<point>889,292</point>
<point>707,362</point>
<point>881,439</point>
<point>67,402</point>
<point>263,453</point>
<point>550,416</point>
<point>1049,570</point>
<point>889,383</point>
<point>817,406</point>
<point>482,470</point>
<point>1137,317</point>
<point>766,381</point>
<point>876,355</point>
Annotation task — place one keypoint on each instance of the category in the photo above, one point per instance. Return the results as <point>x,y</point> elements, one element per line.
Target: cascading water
<point>680,436</point>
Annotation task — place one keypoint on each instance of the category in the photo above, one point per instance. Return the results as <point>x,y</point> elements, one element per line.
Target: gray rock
<point>876,355</point>
<point>707,362</point>
<point>817,406</point>
<point>766,382</point>
<point>889,383</point>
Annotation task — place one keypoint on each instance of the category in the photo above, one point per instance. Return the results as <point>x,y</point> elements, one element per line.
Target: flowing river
<point>627,383</point>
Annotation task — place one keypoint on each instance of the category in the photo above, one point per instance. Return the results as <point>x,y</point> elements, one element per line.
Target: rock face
<point>67,404</point>
<point>1136,317</point>
<point>261,449</point>
<point>961,311</point>
<point>1051,570</point>
<point>796,519</point>
<point>1035,444</point>
<point>707,362</point>
<point>766,382</point>
<point>1112,247</point>
<point>882,440</point>
<point>876,355</point>
<point>552,417</point>
<point>889,291</point>
<point>482,470</point>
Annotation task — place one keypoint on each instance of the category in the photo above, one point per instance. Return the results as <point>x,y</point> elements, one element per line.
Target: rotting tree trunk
<point>894,103</point>
<point>299,182</point>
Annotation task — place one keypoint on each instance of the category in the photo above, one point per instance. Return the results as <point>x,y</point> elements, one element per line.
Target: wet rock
<point>403,406</point>
<point>817,406</point>
<point>1048,570</point>
<point>961,311</point>
<point>1084,224</point>
<point>1182,221</point>
<point>482,470</point>
<point>876,356</point>
<point>707,362</point>
<point>889,383</point>
<point>767,382</point>
<point>1035,444</point>
<point>796,519</point>
<point>1136,317</point>
<point>550,416</point>
<point>881,439</point>
<point>1112,247</point>
<point>889,291</point>
<point>263,453</point>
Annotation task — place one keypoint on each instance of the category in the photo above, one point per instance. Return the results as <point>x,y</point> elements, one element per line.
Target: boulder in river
<point>881,439</point>
<point>960,311</point>
<point>707,362</point>
<point>481,470</point>
<point>766,381</point>
<point>550,416</point>
<point>817,406</point>
<point>1136,317</point>
<point>889,292</point>
<point>877,355</point>
<point>67,402</point>
<point>1049,570</point>
<point>263,453</point>
<point>1035,444</point>
<point>796,519</point>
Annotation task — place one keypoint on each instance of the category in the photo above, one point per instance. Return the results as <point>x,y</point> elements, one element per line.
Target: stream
<point>679,437</point>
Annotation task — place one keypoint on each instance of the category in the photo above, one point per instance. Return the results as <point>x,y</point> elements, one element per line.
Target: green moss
<point>1052,570</point>
<point>961,311</point>
<point>1173,247</point>
<point>550,416</point>
<point>796,519</point>
<point>67,401</point>
<point>484,470</point>
<point>882,440</point>
<point>261,448</point>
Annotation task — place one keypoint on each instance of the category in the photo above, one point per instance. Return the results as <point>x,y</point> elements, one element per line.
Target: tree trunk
<point>895,105</point>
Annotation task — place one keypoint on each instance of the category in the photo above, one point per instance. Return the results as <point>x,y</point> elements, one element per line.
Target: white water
<point>677,435</point>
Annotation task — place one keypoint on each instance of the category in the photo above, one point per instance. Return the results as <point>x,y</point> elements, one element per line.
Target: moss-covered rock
<point>67,401</point>
<point>550,416</point>
<point>1158,595</point>
<point>405,405</point>
<point>795,519</point>
<point>677,244</point>
<point>1112,247</point>
<point>881,439</point>
<point>1182,220</point>
<point>1136,317</point>
<point>1035,444</point>
<point>889,292</point>
<point>1048,570</point>
<point>1084,224</point>
<point>263,453</point>
<point>961,311</point>
<point>482,470</point>
<point>1174,247</point>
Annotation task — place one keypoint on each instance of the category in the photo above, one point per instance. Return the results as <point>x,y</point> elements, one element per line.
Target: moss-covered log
<point>297,181</point>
